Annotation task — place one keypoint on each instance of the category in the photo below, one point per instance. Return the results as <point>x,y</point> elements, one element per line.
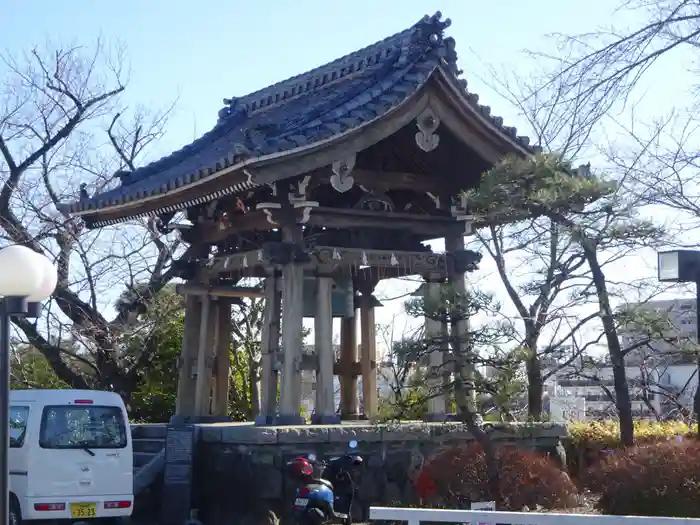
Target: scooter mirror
<point>312,457</point>
<point>353,444</point>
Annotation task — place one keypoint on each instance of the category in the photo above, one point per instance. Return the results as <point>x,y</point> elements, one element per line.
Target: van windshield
<point>82,426</point>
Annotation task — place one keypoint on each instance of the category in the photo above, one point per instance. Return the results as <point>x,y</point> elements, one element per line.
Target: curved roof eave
<point>481,115</point>
<point>408,110</point>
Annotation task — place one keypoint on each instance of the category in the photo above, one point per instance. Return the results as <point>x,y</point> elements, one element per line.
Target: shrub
<point>456,475</point>
<point>589,441</point>
<point>660,479</point>
<point>606,434</point>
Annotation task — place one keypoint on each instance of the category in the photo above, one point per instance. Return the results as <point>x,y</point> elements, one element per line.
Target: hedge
<point>599,435</point>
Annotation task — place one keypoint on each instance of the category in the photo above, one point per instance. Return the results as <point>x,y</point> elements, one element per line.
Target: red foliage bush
<point>660,479</point>
<point>456,476</point>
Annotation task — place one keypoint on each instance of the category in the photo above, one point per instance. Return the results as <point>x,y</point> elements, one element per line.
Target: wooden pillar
<point>323,344</point>
<point>222,358</point>
<point>186,383</point>
<point>368,356</point>
<point>204,372</point>
<point>348,356</point>
<point>460,328</point>
<point>433,334</point>
<point>269,347</point>
<point>292,340</point>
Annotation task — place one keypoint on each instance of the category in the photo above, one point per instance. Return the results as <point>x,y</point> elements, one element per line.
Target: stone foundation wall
<point>240,468</point>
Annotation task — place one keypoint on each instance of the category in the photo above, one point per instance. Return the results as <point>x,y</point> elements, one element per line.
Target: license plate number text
<point>83,510</point>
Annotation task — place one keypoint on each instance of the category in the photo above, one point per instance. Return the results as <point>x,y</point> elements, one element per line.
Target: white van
<point>70,456</point>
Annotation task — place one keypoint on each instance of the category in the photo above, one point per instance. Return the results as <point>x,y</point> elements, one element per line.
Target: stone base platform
<point>240,465</point>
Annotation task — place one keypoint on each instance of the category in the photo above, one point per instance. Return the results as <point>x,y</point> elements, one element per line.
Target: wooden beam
<point>342,218</point>
<point>329,258</point>
<point>219,290</point>
<point>425,225</point>
<point>391,180</point>
<point>310,363</point>
<point>212,233</point>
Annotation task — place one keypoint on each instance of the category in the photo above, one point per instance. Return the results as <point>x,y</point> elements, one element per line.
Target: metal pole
<point>4,411</point>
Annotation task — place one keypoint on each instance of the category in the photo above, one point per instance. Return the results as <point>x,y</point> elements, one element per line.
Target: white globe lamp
<point>26,279</point>
<point>21,274</point>
<point>49,279</point>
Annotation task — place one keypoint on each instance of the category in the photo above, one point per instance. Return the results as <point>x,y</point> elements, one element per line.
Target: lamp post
<point>683,266</point>
<point>26,279</point>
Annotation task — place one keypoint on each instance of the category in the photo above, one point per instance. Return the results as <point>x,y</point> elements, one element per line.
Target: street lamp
<point>26,279</point>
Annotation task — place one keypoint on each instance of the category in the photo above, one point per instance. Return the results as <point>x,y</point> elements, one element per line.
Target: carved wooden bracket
<point>427,123</point>
<point>459,205</point>
<point>299,195</point>
<point>268,208</point>
<point>435,199</point>
<point>342,180</point>
<point>306,206</point>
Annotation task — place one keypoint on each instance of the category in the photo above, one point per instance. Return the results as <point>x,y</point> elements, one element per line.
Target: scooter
<point>323,500</point>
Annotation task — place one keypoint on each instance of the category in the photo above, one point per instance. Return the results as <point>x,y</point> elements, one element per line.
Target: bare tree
<point>542,295</point>
<point>64,130</point>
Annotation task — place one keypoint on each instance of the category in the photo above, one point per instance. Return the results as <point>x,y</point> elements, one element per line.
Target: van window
<point>82,426</point>
<point>18,425</point>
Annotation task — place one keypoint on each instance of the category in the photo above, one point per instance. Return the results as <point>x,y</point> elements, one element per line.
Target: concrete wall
<point>240,468</point>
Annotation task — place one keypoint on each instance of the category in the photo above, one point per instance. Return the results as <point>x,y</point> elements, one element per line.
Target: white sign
<point>484,505</point>
<point>567,408</point>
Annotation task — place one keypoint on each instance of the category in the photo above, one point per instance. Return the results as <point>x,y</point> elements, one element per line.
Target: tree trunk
<point>534,386</point>
<point>617,356</point>
<point>465,413</point>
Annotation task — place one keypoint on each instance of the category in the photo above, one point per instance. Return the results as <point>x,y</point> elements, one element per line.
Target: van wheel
<point>15,515</point>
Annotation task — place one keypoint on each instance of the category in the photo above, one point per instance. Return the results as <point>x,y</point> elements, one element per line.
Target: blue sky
<point>200,52</point>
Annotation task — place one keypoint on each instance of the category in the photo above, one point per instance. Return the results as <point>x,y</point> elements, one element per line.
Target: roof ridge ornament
<point>427,123</point>
<point>231,107</point>
<point>428,34</point>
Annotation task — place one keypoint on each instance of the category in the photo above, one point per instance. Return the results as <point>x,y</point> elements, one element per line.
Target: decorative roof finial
<point>231,108</point>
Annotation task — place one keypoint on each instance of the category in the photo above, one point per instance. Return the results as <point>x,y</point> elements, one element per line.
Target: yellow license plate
<point>83,510</point>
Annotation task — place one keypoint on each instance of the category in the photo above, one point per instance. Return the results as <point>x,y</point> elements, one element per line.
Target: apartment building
<point>661,367</point>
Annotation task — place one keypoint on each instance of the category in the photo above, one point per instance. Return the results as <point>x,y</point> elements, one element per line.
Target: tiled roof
<point>299,111</point>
